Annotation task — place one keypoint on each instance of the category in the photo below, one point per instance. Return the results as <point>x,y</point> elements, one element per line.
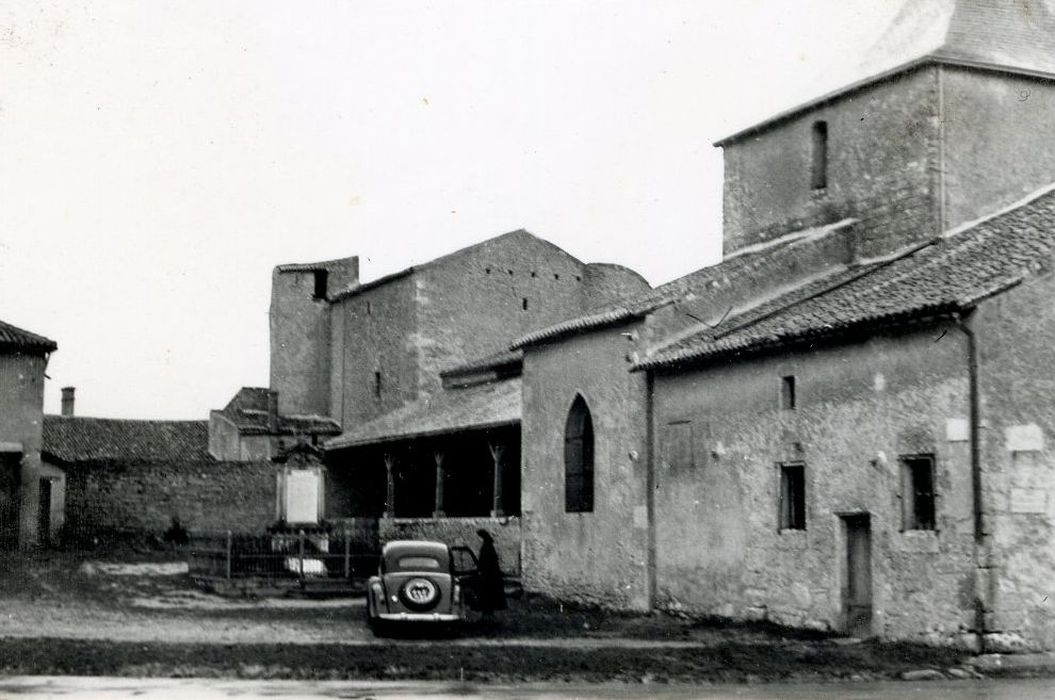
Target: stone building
<point>125,480</point>
<point>415,369</point>
<point>845,424</point>
<point>30,492</point>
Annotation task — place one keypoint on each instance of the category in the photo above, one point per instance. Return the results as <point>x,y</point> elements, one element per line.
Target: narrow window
<point>523,303</point>
<point>322,278</point>
<point>787,393</point>
<point>820,156</point>
<point>377,384</point>
<point>917,493</point>
<point>369,309</point>
<point>792,497</point>
<point>578,459</point>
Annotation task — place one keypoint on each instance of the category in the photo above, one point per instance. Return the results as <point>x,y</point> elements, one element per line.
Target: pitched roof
<point>360,288</point>
<point>449,411</point>
<point>949,275</point>
<point>76,439</point>
<point>499,360</point>
<point>248,411</point>
<point>14,338</point>
<point>1017,37</point>
<point>687,287</point>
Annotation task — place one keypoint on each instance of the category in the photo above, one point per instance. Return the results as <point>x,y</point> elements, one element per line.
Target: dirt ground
<point>67,614</point>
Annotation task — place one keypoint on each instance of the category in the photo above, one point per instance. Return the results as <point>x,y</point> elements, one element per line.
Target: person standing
<point>492,593</point>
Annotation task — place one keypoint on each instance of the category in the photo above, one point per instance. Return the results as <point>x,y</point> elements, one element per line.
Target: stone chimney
<point>67,401</point>
<point>272,412</point>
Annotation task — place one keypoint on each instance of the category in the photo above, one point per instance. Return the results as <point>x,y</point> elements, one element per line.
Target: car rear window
<point>417,562</point>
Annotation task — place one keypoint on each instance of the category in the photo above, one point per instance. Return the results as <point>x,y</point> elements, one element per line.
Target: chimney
<point>67,401</point>
<point>272,412</point>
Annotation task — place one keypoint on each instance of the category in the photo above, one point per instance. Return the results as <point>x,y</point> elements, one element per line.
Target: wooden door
<point>858,599</point>
<point>10,496</point>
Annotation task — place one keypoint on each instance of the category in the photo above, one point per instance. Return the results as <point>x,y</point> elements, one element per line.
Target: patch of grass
<point>436,661</point>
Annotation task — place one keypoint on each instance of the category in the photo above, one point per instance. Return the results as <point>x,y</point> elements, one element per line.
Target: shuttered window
<point>917,493</point>
<point>578,459</point>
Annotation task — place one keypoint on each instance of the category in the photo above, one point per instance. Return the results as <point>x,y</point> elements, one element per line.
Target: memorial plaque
<point>1029,501</point>
<point>302,497</point>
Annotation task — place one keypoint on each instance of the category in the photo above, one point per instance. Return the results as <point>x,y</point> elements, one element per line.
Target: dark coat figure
<point>492,592</point>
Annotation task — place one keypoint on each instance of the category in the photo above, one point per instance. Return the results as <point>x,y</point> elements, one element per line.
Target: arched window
<point>578,459</point>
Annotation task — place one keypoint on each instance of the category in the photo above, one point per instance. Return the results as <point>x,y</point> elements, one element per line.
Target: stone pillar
<point>497,450</point>
<point>390,486</point>
<point>437,455</point>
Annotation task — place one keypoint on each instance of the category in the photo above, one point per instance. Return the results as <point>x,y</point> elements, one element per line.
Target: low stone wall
<point>460,531</point>
<point>139,500</point>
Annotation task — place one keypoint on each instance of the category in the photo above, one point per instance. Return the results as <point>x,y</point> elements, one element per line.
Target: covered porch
<point>439,468</point>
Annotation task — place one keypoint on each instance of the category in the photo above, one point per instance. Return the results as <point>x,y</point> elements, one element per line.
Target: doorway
<point>857,594</point>
<point>10,497</point>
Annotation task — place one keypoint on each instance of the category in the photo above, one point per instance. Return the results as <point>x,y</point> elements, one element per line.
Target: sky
<point>158,159</point>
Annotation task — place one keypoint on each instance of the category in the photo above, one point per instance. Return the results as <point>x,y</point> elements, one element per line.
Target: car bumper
<point>419,617</point>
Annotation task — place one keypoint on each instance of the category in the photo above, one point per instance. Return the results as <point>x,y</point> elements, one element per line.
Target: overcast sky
<point>159,158</point>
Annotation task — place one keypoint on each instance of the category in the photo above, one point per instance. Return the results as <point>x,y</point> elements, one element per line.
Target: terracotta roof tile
<point>76,439</point>
<point>949,275</point>
<point>12,337</point>
<point>449,411</point>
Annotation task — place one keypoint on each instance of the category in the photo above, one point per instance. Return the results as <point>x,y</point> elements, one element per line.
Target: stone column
<point>497,450</point>
<point>437,455</point>
<point>390,486</point>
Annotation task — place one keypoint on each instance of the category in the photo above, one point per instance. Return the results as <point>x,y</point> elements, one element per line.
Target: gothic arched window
<point>578,459</point>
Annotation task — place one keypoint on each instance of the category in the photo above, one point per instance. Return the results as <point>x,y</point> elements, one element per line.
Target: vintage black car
<point>421,581</point>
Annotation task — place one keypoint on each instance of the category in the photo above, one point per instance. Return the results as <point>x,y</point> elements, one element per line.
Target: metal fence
<point>308,558</point>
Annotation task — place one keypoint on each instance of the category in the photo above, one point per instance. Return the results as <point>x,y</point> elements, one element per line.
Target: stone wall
<point>141,499</point>
<point>884,156</point>
<point>475,302</point>
<point>721,435</point>
<point>598,557</point>
<point>1016,342</point>
<point>999,140</point>
<point>300,336</point>
<point>460,532</point>
<point>374,334</point>
<point>21,421</point>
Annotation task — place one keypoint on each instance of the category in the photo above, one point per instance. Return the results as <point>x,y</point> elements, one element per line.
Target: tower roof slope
<point>1015,36</point>
<point>1018,35</point>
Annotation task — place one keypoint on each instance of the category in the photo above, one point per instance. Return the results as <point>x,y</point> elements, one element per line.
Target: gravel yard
<point>70,615</point>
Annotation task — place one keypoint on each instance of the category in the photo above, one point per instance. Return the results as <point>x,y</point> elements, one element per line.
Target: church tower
<point>952,117</point>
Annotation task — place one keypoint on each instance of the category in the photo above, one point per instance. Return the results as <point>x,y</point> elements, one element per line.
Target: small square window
<point>917,493</point>
<point>792,497</point>
<point>787,393</point>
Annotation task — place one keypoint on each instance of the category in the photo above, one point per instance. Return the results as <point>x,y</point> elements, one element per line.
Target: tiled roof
<point>499,360</point>
<point>449,411</point>
<point>949,275</point>
<point>687,287</point>
<point>1016,37</point>
<point>1017,34</point>
<point>12,337</point>
<point>76,439</point>
<point>339,263</point>
<point>248,411</point>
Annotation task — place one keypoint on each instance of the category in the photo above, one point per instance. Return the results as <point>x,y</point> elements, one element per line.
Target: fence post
<point>229,551</point>
<point>302,558</point>
<point>347,555</point>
